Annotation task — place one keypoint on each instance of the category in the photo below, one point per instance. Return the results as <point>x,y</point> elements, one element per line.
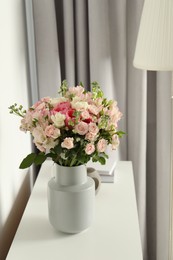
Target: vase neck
<point>75,175</point>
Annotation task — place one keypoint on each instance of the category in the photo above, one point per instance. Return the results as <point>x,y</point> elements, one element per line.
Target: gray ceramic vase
<point>71,199</point>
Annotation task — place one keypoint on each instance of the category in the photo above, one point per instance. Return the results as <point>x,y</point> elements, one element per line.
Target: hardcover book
<point>106,171</point>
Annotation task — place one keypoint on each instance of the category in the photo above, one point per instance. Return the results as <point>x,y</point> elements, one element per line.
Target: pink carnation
<point>62,107</point>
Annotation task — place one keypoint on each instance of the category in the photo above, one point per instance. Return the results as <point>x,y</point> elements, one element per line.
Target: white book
<point>106,171</point>
<point>107,178</point>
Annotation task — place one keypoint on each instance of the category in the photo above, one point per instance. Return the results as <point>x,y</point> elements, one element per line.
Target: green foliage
<point>17,110</point>
<point>63,88</point>
<point>81,84</point>
<point>96,90</point>
<point>120,133</point>
<point>77,152</point>
<point>104,121</point>
<point>100,157</point>
<point>32,158</point>
<point>28,161</point>
<point>40,158</point>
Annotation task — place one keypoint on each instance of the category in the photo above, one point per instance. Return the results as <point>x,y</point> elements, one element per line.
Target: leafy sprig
<point>96,90</point>
<point>63,88</point>
<point>17,110</point>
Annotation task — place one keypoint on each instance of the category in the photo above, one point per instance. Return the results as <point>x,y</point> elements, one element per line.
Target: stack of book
<point>105,171</point>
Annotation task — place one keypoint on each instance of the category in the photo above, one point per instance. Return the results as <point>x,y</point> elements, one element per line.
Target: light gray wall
<point>14,144</point>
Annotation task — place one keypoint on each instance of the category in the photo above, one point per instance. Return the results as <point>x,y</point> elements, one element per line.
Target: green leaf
<point>57,149</point>
<point>28,161</point>
<point>51,155</point>
<point>120,133</point>
<point>96,90</point>
<point>40,158</point>
<point>102,160</point>
<point>63,88</point>
<point>81,84</point>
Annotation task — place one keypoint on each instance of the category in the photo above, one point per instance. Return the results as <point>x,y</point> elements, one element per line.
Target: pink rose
<point>89,149</point>
<point>52,131</point>
<point>101,145</point>
<point>86,117</point>
<point>81,128</point>
<point>93,128</point>
<point>42,103</point>
<point>90,136</point>
<point>93,109</point>
<point>68,143</point>
<point>85,114</point>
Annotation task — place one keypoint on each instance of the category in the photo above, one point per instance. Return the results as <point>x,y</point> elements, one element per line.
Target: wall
<point>14,144</point>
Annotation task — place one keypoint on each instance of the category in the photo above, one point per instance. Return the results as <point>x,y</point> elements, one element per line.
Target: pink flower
<point>62,107</point>
<point>101,145</point>
<point>65,109</point>
<point>93,128</point>
<point>90,136</point>
<point>89,149</point>
<point>39,138</point>
<point>52,131</point>
<point>41,103</point>
<point>78,90</point>
<point>68,143</point>
<point>93,109</point>
<point>86,117</point>
<point>85,114</point>
<point>81,128</point>
<point>69,117</point>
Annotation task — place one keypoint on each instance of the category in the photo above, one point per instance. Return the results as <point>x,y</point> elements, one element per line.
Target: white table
<point>113,236</point>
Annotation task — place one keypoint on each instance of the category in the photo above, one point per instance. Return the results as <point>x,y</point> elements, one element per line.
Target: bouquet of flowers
<point>72,128</point>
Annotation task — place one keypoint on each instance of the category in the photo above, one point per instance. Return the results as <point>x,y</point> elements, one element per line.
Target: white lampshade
<point>154,48</point>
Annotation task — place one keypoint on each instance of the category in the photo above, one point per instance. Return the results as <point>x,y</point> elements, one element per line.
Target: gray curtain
<point>94,40</point>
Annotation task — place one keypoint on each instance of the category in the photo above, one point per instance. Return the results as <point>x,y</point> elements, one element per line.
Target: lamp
<point>154,51</point>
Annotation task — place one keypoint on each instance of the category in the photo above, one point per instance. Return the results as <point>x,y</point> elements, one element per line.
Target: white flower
<point>115,142</point>
<point>79,105</point>
<point>39,135</point>
<point>58,119</point>
<point>55,101</point>
<point>49,143</point>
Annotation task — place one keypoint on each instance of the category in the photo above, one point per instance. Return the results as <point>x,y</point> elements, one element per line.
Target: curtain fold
<point>89,40</point>
<point>47,53</point>
<point>73,39</point>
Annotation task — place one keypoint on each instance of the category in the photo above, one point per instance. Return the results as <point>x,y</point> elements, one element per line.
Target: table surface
<point>113,236</point>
